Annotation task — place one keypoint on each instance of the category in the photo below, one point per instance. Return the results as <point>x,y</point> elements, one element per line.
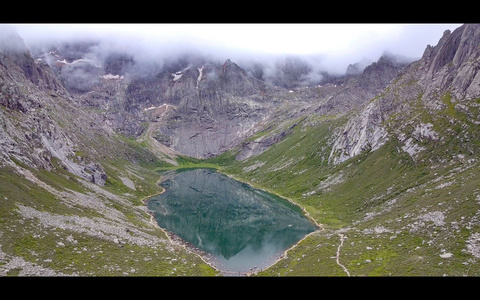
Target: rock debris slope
<point>39,123</point>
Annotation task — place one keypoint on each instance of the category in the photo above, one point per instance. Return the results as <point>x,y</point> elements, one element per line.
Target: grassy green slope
<point>400,217</point>
<point>54,223</point>
<point>383,212</point>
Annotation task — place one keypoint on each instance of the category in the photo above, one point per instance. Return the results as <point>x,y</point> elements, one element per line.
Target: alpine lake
<point>241,228</point>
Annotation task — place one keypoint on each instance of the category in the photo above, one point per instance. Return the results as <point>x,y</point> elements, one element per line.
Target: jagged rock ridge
<point>37,116</point>
<point>213,105</point>
<point>448,69</point>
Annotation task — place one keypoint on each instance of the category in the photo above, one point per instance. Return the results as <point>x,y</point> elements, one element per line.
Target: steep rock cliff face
<point>444,82</point>
<point>330,100</point>
<point>36,115</point>
<point>212,106</point>
<point>455,66</point>
<point>359,89</point>
<point>216,106</point>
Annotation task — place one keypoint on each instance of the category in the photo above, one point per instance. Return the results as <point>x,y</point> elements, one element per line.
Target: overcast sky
<point>338,43</point>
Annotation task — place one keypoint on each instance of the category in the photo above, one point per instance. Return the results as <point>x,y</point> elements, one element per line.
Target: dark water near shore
<point>243,228</point>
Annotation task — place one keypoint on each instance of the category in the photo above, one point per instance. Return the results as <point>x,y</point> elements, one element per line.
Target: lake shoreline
<point>210,259</point>
<point>305,212</point>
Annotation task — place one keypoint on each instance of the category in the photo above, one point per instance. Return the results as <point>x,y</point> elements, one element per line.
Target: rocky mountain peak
<point>229,66</point>
<point>227,63</point>
<point>357,68</point>
<point>468,44</point>
<point>13,48</point>
<point>452,64</point>
<point>37,114</point>
<point>14,54</point>
<point>453,48</point>
<point>10,41</point>
<point>446,76</point>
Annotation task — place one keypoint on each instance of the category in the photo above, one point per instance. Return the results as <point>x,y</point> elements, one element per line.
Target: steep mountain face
<point>198,107</point>
<point>359,89</point>
<point>214,108</point>
<point>323,100</point>
<point>210,106</point>
<point>446,78</point>
<point>37,117</point>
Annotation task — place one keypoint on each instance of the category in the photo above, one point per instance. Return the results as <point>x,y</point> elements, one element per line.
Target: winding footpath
<point>342,238</point>
<point>162,151</point>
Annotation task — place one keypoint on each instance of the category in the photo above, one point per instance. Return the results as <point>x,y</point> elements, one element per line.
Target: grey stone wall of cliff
<point>451,67</point>
<point>219,107</point>
<point>35,111</point>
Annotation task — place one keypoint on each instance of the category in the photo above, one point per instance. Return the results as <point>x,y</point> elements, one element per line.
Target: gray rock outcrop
<point>36,115</point>
<point>446,75</point>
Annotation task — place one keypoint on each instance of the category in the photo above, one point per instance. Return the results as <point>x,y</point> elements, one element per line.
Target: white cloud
<point>338,44</point>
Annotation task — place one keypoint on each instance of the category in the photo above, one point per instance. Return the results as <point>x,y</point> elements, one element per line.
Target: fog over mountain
<point>324,47</point>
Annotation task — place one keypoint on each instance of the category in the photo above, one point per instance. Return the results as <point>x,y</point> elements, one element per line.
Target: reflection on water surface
<point>242,227</point>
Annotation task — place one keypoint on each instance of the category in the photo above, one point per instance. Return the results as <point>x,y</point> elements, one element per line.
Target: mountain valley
<point>385,157</point>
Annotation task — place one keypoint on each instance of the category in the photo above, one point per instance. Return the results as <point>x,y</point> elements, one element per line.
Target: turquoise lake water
<point>243,228</point>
